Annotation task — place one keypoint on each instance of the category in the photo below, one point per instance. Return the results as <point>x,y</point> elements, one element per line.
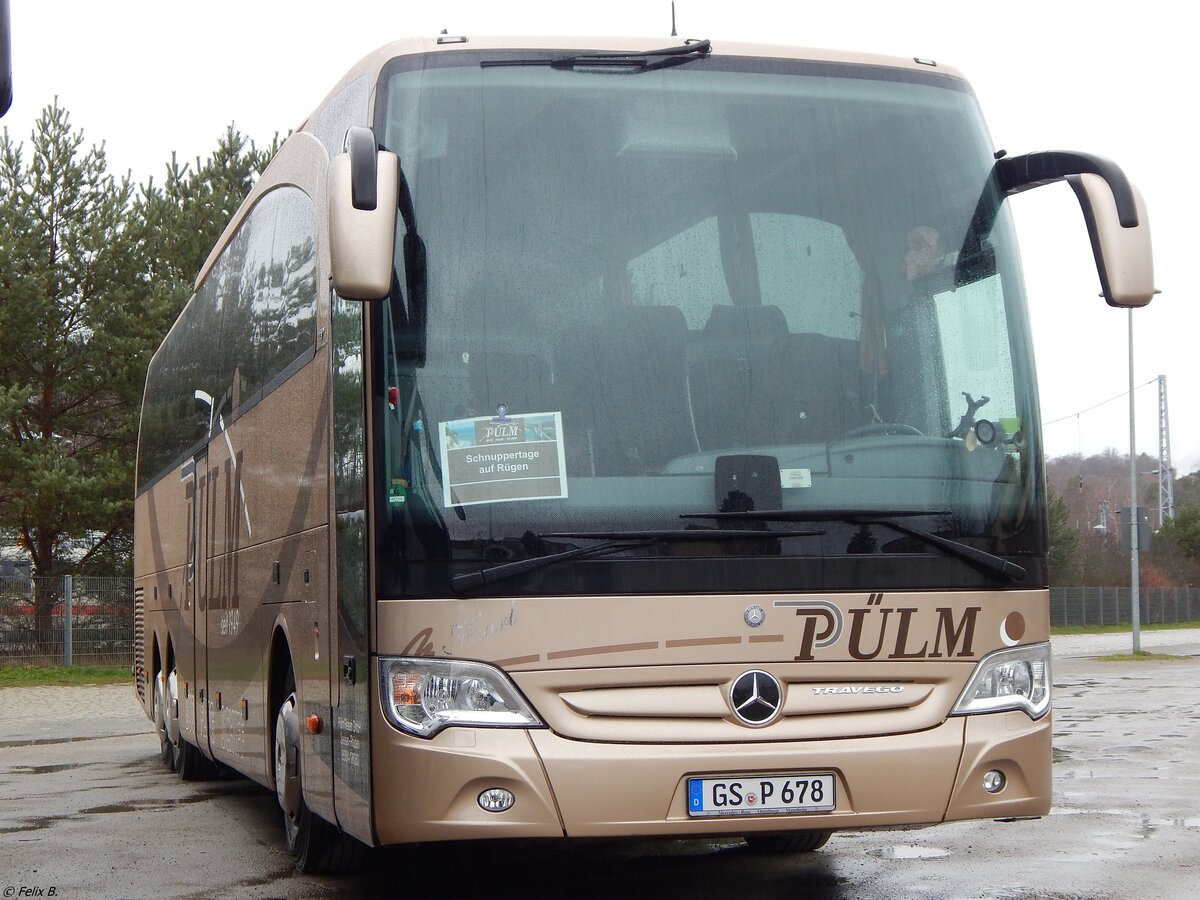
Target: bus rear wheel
<point>187,760</point>
<point>166,747</point>
<point>192,765</point>
<point>799,842</point>
<point>315,845</point>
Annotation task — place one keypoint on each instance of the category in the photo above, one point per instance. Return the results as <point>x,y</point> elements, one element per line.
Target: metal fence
<point>89,621</point>
<point>1114,606</point>
<point>60,621</point>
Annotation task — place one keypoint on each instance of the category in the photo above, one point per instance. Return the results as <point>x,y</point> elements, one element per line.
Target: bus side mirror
<point>1123,256</point>
<point>1112,207</point>
<point>363,192</point>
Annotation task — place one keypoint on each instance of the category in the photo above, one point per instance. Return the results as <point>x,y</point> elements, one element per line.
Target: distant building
<point>15,568</point>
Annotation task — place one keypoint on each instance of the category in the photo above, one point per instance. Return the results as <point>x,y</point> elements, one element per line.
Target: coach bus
<point>576,438</point>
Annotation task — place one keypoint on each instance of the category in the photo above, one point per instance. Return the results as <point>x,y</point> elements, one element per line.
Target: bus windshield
<point>721,286</point>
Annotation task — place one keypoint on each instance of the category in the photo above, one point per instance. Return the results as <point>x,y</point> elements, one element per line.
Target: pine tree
<point>91,276</point>
<point>1064,541</point>
<point>68,280</point>
<point>179,222</point>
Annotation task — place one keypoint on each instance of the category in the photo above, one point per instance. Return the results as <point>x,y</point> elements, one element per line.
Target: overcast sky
<point>148,77</point>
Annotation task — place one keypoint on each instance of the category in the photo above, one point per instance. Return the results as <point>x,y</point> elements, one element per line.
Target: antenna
<point>673,34</point>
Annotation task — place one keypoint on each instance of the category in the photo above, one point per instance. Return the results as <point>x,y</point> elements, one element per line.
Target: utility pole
<point>1134,576</point>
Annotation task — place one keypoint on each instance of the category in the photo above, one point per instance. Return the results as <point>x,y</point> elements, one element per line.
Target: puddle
<point>1190,822</point>
<point>30,825</point>
<point>1145,826</point>
<point>146,805</point>
<point>42,770</point>
<point>908,851</point>
<point>262,881</point>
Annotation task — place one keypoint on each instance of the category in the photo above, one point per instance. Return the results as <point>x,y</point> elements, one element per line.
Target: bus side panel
<point>196,687</point>
<point>232,628</point>
<point>188,636</point>
<point>160,571</point>
<point>269,481</point>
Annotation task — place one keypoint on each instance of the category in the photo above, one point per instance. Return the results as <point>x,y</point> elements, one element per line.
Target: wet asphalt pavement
<point>86,811</point>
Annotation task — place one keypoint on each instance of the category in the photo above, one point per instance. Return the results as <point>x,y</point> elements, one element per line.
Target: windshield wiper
<point>686,534</point>
<point>611,542</point>
<point>981,558</point>
<point>641,59</point>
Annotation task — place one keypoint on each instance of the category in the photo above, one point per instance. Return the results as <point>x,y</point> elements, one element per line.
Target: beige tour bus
<point>586,437</point>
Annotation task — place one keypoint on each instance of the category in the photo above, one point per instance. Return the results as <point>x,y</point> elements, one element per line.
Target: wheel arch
<point>279,665</point>
<point>157,656</point>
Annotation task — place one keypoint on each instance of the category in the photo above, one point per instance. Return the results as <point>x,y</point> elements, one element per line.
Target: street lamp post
<point>1134,578</point>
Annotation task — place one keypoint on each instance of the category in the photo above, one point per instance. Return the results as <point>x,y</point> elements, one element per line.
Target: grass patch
<point>26,676</point>
<point>1141,656</point>
<point>1119,629</point>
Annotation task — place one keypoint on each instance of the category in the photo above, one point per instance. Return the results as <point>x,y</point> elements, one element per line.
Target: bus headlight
<point>423,696</point>
<point>1009,679</point>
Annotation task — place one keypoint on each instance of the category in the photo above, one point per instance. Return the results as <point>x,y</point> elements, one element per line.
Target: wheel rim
<point>160,722</point>
<point>287,766</point>
<point>171,711</point>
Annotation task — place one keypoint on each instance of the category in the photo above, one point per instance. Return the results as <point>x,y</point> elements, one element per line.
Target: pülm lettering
<point>501,432</point>
<point>884,632</point>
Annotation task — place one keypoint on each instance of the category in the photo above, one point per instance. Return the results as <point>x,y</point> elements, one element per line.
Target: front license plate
<point>761,795</point>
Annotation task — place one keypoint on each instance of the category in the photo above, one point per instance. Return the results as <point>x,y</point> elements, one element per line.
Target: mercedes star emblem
<point>756,698</point>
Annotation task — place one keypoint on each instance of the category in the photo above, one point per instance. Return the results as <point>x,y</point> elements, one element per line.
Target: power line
<point>1076,415</point>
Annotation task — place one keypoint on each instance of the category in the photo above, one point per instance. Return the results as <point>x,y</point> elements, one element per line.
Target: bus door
<point>193,653</point>
<point>352,690</point>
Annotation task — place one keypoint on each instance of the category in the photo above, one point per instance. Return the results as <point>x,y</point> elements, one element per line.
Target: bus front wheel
<point>798,842</point>
<point>315,845</point>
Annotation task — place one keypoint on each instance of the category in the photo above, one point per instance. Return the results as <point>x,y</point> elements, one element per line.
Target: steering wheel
<point>881,428</point>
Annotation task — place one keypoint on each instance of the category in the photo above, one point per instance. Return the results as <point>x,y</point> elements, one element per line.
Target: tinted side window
<point>348,107</point>
<point>285,310</point>
<point>250,324</point>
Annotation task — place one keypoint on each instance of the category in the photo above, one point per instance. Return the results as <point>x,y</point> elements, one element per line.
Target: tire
<point>189,762</point>
<point>798,842</point>
<point>192,765</point>
<point>166,748</point>
<point>314,844</point>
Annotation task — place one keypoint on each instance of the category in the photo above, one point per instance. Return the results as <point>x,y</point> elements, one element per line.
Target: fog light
<point>496,800</point>
<point>993,782</point>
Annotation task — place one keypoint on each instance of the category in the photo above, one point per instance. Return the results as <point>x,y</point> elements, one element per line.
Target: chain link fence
<point>1114,606</point>
<point>59,621</point>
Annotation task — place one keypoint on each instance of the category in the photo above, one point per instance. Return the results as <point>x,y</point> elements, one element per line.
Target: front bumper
<point>427,790</point>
